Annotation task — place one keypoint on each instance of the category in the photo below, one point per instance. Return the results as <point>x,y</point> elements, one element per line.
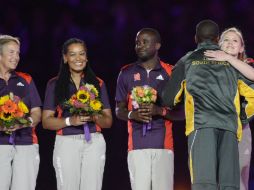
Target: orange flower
<point>18,113</point>
<point>154,98</point>
<point>9,107</point>
<point>74,96</point>
<point>154,92</point>
<point>140,92</point>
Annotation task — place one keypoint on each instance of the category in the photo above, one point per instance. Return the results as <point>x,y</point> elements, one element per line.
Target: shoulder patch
<point>166,67</point>
<point>126,66</point>
<point>100,81</point>
<point>25,76</point>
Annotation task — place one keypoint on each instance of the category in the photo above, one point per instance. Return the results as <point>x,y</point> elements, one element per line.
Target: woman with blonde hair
<point>19,152</point>
<point>239,62</point>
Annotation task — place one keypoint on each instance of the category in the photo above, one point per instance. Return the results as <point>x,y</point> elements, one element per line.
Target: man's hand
<point>145,112</point>
<point>141,115</point>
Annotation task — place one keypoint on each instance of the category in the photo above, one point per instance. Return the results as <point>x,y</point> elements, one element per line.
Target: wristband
<point>67,121</point>
<point>129,114</point>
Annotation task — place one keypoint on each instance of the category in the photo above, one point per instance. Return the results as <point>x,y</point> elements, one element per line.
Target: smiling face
<point>232,43</point>
<point>9,56</point>
<point>76,57</point>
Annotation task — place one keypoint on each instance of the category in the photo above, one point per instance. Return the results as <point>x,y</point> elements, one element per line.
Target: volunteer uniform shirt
<point>49,104</point>
<point>21,85</point>
<point>160,136</point>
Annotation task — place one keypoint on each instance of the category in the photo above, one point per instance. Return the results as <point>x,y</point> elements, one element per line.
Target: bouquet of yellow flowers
<point>143,95</point>
<point>85,102</point>
<point>13,111</point>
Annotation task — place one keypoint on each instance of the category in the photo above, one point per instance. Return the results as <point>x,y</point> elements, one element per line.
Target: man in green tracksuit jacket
<point>211,92</point>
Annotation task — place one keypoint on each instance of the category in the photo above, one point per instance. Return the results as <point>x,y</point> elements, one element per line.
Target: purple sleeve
<point>34,95</point>
<point>104,97</point>
<point>121,89</point>
<point>49,101</point>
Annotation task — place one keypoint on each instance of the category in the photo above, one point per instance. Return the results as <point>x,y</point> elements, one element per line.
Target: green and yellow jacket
<point>211,92</point>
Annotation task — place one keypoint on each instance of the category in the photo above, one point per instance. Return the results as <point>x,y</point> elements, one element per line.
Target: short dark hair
<point>207,30</point>
<point>152,31</point>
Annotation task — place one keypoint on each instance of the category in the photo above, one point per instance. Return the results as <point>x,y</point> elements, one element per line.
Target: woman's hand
<point>217,55</point>
<point>13,128</point>
<point>76,120</point>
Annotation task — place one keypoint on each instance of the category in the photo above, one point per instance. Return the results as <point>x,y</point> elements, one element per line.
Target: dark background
<point>109,28</point>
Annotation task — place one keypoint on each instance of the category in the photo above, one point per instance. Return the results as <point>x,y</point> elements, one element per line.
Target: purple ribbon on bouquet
<point>146,127</point>
<point>12,138</point>
<point>87,132</point>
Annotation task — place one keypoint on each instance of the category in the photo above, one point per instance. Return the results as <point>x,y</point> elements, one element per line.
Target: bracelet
<point>129,114</point>
<point>67,121</point>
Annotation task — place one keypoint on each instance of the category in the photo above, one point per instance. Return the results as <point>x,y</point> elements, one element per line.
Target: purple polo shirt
<point>49,104</point>
<point>22,85</point>
<point>132,75</point>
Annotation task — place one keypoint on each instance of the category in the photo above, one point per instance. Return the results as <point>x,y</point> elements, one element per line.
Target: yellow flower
<point>22,106</point>
<point>96,105</point>
<point>83,96</point>
<point>6,116</point>
<point>3,99</point>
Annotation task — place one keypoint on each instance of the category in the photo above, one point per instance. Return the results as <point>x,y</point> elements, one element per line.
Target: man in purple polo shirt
<point>150,156</point>
<point>19,161</point>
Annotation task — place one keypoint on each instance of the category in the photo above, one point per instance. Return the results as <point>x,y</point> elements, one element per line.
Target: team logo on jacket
<point>20,84</point>
<point>160,77</point>
<point>136,76</point>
